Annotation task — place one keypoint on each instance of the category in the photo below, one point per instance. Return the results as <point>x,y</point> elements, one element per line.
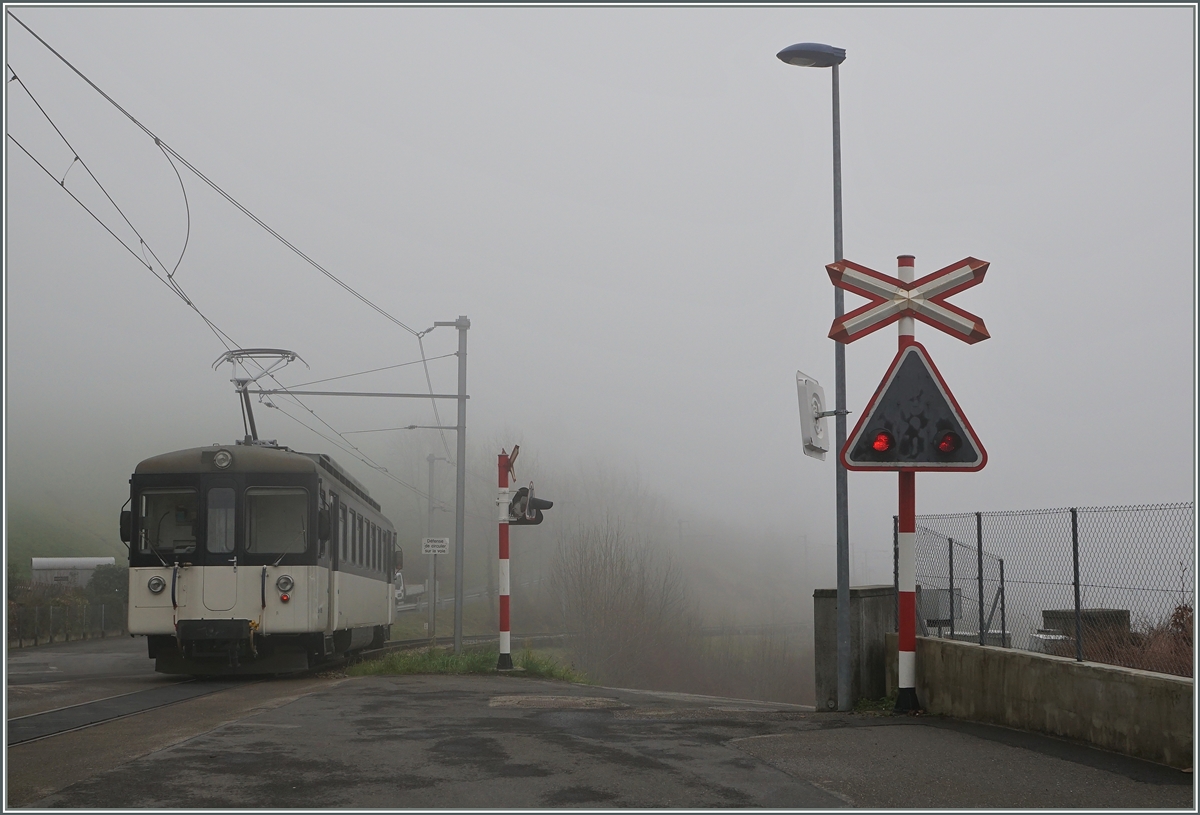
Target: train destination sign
<point>913,422</point>
<point>891,298</point>
<point>435,546</point>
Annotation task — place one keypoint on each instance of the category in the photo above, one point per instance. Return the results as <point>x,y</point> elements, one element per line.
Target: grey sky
<point>633,205</point>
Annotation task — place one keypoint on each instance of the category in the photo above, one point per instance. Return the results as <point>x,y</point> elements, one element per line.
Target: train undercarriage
<point>233,648</point>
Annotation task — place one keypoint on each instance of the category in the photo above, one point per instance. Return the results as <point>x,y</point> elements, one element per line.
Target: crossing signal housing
<point>525,509</point>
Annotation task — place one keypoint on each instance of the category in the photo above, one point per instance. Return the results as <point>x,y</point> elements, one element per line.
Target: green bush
<point>109,583</point>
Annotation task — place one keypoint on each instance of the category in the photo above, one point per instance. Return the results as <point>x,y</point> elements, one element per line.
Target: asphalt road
<point>513,742</point>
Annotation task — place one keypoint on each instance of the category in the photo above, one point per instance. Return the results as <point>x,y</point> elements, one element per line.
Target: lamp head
<point>812,55</point>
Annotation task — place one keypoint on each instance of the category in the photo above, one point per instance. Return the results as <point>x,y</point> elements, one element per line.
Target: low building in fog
<point>67,571</point>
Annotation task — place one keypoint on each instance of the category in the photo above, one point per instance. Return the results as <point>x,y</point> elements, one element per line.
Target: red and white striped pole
<point>505,663</point>
<point>906,699</point>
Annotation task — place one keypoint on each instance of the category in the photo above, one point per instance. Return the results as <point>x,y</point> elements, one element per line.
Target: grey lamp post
<point>818,55</point>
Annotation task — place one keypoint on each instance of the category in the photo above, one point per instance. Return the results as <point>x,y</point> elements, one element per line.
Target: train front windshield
<point>276,520</point>
<point>222,520</point>
<point>168,521</point>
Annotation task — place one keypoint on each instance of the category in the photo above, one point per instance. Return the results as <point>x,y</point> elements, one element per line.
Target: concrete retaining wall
<point>1138,713</point>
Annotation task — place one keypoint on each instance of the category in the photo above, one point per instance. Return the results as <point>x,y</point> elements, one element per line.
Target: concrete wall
<point>1138,713</point>
<point>872,615</point>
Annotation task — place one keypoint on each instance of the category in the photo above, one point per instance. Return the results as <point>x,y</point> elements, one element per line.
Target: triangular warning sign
<point>913,422</point>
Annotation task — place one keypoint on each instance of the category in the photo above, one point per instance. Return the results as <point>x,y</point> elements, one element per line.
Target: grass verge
<point>876,707</point>
<point>443,661</point>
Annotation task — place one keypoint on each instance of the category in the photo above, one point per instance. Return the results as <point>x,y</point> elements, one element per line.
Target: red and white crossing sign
<point>913,422</point>
<point>891,298</point>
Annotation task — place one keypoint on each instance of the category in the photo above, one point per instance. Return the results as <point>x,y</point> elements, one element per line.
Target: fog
<point>633,207</point>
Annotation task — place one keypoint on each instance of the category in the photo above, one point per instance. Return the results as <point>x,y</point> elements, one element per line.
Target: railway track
<point>37,726</point>
<point>43,725</point>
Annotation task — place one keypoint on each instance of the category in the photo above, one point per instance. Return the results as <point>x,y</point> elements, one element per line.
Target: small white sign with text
<point>435,546</point>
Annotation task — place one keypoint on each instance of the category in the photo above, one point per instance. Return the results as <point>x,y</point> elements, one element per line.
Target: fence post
<point>1075,555</point>
<point>35,625</point>
<point>896,566</point>
<point>951,587</point>
<point>51,625</point>
<point>1003,600</point>
<point>979,569</point>
<point>102,620</point>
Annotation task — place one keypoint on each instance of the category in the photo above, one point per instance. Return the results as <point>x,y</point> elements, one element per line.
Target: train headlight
<point>285,583</point>
<point>156,584</point>
<point>222,458</point>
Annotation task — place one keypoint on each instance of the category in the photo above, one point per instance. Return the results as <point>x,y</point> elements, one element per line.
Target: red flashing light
<point>948,442</point>
<point>883,442</point>
<point>285,597</point>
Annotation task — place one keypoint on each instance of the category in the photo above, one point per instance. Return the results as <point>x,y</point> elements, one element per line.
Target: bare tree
<point>623,604</point>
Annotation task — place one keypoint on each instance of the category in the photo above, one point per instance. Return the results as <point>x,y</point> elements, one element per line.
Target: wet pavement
<point>421,742</point>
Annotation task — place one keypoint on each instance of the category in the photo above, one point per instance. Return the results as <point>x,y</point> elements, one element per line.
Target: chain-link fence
<point>1105,584</point>
<point>40,625</point>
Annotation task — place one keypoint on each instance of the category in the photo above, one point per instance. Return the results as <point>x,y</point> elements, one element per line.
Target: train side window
<point>342,532</point>
<point>220,520</point>
<point>358,533</point>
<point>374,547</point>
<point>353,542</point>
<point>276,520</point>
<point>168,521</point>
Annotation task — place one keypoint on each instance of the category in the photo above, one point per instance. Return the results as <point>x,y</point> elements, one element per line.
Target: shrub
<point>109,582</point>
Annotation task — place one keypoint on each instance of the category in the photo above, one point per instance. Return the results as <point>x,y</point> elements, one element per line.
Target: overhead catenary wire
<point>221,335</point>
<point>383,470</point>
<point>77,158</point>
<point>169,279</point>
<point>351,451</point>
<point>169,151</point>
<point>224,338</point>
<point>373,370</point>
<point>167,148</point>
<point>436,415</point>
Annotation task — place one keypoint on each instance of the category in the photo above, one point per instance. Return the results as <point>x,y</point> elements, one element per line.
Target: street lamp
<point>819,55</point>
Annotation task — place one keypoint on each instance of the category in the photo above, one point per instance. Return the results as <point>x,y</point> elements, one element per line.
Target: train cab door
<point>219,591</point>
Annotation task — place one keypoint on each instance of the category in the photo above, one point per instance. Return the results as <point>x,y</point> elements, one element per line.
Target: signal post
<point>913,421</point>
<point>518,508</point>
<point>505,465</point>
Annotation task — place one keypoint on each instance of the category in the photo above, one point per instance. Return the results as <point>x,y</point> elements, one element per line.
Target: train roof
<point>248,458</point>
<point>252,458</point>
